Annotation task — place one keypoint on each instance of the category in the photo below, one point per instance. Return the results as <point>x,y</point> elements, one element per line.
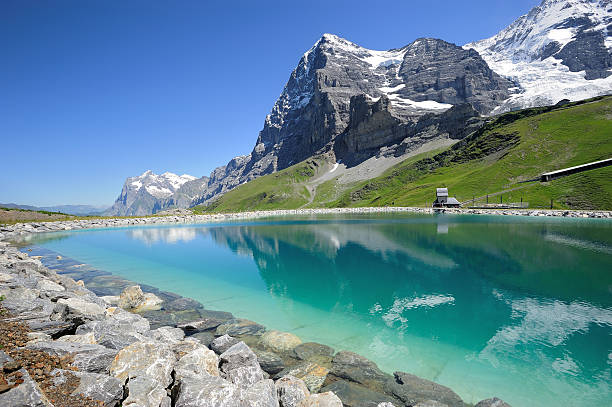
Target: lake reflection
<point>490,306</point>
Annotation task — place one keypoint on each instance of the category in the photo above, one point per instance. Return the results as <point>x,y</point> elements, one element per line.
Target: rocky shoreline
<point>19,229</point>
<point>66,345</point>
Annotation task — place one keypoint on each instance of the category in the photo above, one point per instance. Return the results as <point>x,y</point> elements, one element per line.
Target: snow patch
<point>334,168</point>
<point>515,53</point>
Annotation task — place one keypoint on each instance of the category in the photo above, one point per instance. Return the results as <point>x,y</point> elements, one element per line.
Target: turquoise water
<point>519,308</point>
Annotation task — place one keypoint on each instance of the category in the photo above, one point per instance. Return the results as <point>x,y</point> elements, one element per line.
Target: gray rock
<point>356,368</point>
<point>223,343</point>
<point>278,341</point>
<point>79,310</point>
<point>99,387</point>
<point>4,358</point>
<point>412,390</point>
<point>270,362</point>
<point>291,391</point>
<point>308,350</point>
<point>237,326</point>
<point>312,374</point>
<point>144,391</point>
<point>183,347</point>
<point>52,328</point>
<point>145,358</point>
<point>27,394</point>
<point>321,400</point>
<point>201,361</point>
<point>61,348</point>
<point>204,324</point>
<point>205,338</point>
<point>355,395</point>
<point>166,334</point>
<point>245,376</point>
<point>493,402</point>
<point>261,394</point>
<point>182,304</point>
<point>210,391</point>
<point>239,365</point>
<point>166,402</point>
<point>98,361</point>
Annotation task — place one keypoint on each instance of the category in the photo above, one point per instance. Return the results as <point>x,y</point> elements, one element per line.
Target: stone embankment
<point>64,346</point>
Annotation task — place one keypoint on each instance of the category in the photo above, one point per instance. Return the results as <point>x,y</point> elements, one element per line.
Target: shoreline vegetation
<point>63,345</point>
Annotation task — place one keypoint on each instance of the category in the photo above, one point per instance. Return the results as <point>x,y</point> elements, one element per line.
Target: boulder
<point>183,347</point>
<point>27,394</point>
<point>321,400</point>
<point>237,326</point>
<point>223,343</point>
<point>106,389</point>
<point>493,402</point>
<point>270,362</point>
<point>239,365</point>
<point>127,320</point>
<point>87,338</point>
<point>261,394</point>
<point>166,334</point>
<point>356,368</point>
<point>291,391</point>
<point>211,391</point>
<point>245,376</point>
<point>48,285</point>
<point>309,350</point>
<point>182,304</point>
<point>198,362</point>
<point>205,338</point>
<point>79,310</point>
<point>132,298</point>
<point>412,390</point>
<point>98,361</point>
<point>356,395</point>
<point>145,358</point>
<point>278,341</point>
<point>144,391</point>
<point>200,325</point>
<point>311,373</point>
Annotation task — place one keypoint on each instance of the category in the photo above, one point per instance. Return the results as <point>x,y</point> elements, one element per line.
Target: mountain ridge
<point>352,104</point>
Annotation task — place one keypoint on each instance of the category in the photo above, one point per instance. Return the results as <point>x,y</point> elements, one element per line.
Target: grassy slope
<point>478,166</point>
<point>515,147</point>
<point>282,190</point>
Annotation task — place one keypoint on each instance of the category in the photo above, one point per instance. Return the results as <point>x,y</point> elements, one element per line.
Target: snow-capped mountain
<point>149,193</point>
<point>427,76</point>
<point>355,103</point>
<point>561,49</point>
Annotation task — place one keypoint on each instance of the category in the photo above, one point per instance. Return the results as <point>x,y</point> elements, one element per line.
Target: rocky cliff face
<point>561,49</point>
<point>150,193</point>
<point>427,76</point>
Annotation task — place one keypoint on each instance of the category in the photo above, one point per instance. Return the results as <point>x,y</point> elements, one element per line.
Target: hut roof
<point>441,191</point>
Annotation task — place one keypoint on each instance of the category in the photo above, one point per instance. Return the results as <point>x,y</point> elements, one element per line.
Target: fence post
<point>551,203</point>
<point>487,198</point>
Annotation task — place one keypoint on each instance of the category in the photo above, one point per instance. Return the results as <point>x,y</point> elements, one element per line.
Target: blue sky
<point>95,91</point>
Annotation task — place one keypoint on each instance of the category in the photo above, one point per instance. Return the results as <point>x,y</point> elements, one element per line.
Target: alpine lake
<point>514,307</point>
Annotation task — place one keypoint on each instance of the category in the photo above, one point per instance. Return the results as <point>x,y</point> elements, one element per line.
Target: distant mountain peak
<point>561,49</point>
<point>149,192</point>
